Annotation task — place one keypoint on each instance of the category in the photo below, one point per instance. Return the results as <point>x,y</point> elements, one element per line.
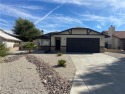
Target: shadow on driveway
<point>109,80</point>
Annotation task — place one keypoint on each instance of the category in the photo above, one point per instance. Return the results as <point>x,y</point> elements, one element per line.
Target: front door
<point>58,42</point>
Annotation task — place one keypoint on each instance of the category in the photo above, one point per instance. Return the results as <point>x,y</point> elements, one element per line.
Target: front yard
<point>36,74</point>
<point>52,60</point>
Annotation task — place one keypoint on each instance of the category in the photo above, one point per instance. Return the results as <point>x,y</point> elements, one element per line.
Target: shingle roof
<point>7,36</point>
<point>47,36</point>
<point>118,34</point>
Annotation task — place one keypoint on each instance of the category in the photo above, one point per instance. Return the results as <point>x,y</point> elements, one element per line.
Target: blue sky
<point>57,15</point>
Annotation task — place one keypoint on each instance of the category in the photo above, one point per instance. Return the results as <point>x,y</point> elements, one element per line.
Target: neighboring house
<point>73,40</point>
<point>116,39</point>
<point>9,40</point>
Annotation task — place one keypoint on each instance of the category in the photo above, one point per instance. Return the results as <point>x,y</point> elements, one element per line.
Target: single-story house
<point>116,39</point>
<point>9,40</point>
<point>76,39</point>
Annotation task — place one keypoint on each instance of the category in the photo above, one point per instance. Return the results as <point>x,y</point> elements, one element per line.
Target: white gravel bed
<point>20,77</point>
<point>52,81</point>
<point>52,60</point>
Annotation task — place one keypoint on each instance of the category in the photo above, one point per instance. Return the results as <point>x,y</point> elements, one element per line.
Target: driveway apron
<point>98,74</point>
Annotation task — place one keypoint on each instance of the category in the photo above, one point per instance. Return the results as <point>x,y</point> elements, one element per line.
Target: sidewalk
<point>79,86</point>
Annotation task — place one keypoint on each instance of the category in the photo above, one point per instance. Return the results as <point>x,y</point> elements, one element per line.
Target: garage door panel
<point>82,44</point>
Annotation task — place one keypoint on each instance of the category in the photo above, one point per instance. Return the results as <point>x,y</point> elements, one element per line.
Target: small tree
<point>25,29</point>
<point>3,50</point>
<point>30,46</point>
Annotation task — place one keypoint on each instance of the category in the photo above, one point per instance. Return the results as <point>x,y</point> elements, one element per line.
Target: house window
<point>45,42</point>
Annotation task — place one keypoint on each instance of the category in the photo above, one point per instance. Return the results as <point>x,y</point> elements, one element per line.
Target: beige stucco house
<point>73,40</point>
<point>116,39</point>
<point>9,40</point>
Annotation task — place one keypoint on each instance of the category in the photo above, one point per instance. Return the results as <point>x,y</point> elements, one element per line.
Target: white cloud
<point>29,7</point>
<point>39,20</point>
<point>3,21</point>
<point>62,20</point>
<point>77,2</point>
<point>57,21</point>
<point>118,21</point>
<point>102,12</point>
<point>99,26</point>
<point>115,4</point>
<point>4,24</point>
<point>111,11</point>
<point>91,17</point>
<point>49,25</point>
<point>11,11</point>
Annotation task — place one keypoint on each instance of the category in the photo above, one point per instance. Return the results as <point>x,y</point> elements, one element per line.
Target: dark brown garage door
<point>123,44</point>
<point>87,45</point>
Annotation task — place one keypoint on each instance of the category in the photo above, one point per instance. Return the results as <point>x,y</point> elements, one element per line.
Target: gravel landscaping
<point>1,59</point>
<point>117,55</point>
<point>12,58</point>
<point>52,81</point>
<point>36,74</point>
<point>52,60</point>
<point>20,77</point>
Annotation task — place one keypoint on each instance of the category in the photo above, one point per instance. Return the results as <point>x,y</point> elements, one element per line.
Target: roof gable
<point>80,31</point>
<point>74,31</point>
<point>7,36</point>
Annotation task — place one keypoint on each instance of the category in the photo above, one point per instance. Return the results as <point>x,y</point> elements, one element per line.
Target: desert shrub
<point>3,50</point>
<point>62,63</point>
<point>30,46</point>
<point>59,54</point>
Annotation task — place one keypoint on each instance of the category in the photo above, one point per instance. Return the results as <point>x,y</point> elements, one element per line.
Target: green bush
<point>59,54</point>
<point>62,63</point>
<point>3,50</point>
<point>30,46</point>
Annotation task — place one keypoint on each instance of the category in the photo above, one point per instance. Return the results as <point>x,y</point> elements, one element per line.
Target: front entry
<point>57,44</point>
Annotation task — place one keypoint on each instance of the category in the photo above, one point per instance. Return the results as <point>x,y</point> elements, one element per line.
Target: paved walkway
<point>98,74</point>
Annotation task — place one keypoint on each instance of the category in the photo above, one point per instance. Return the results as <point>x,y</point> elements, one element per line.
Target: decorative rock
<point>50,78</point>
<point>12,58</point>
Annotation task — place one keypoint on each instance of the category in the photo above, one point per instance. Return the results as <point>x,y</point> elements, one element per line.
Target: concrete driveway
<point>98,74</point>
